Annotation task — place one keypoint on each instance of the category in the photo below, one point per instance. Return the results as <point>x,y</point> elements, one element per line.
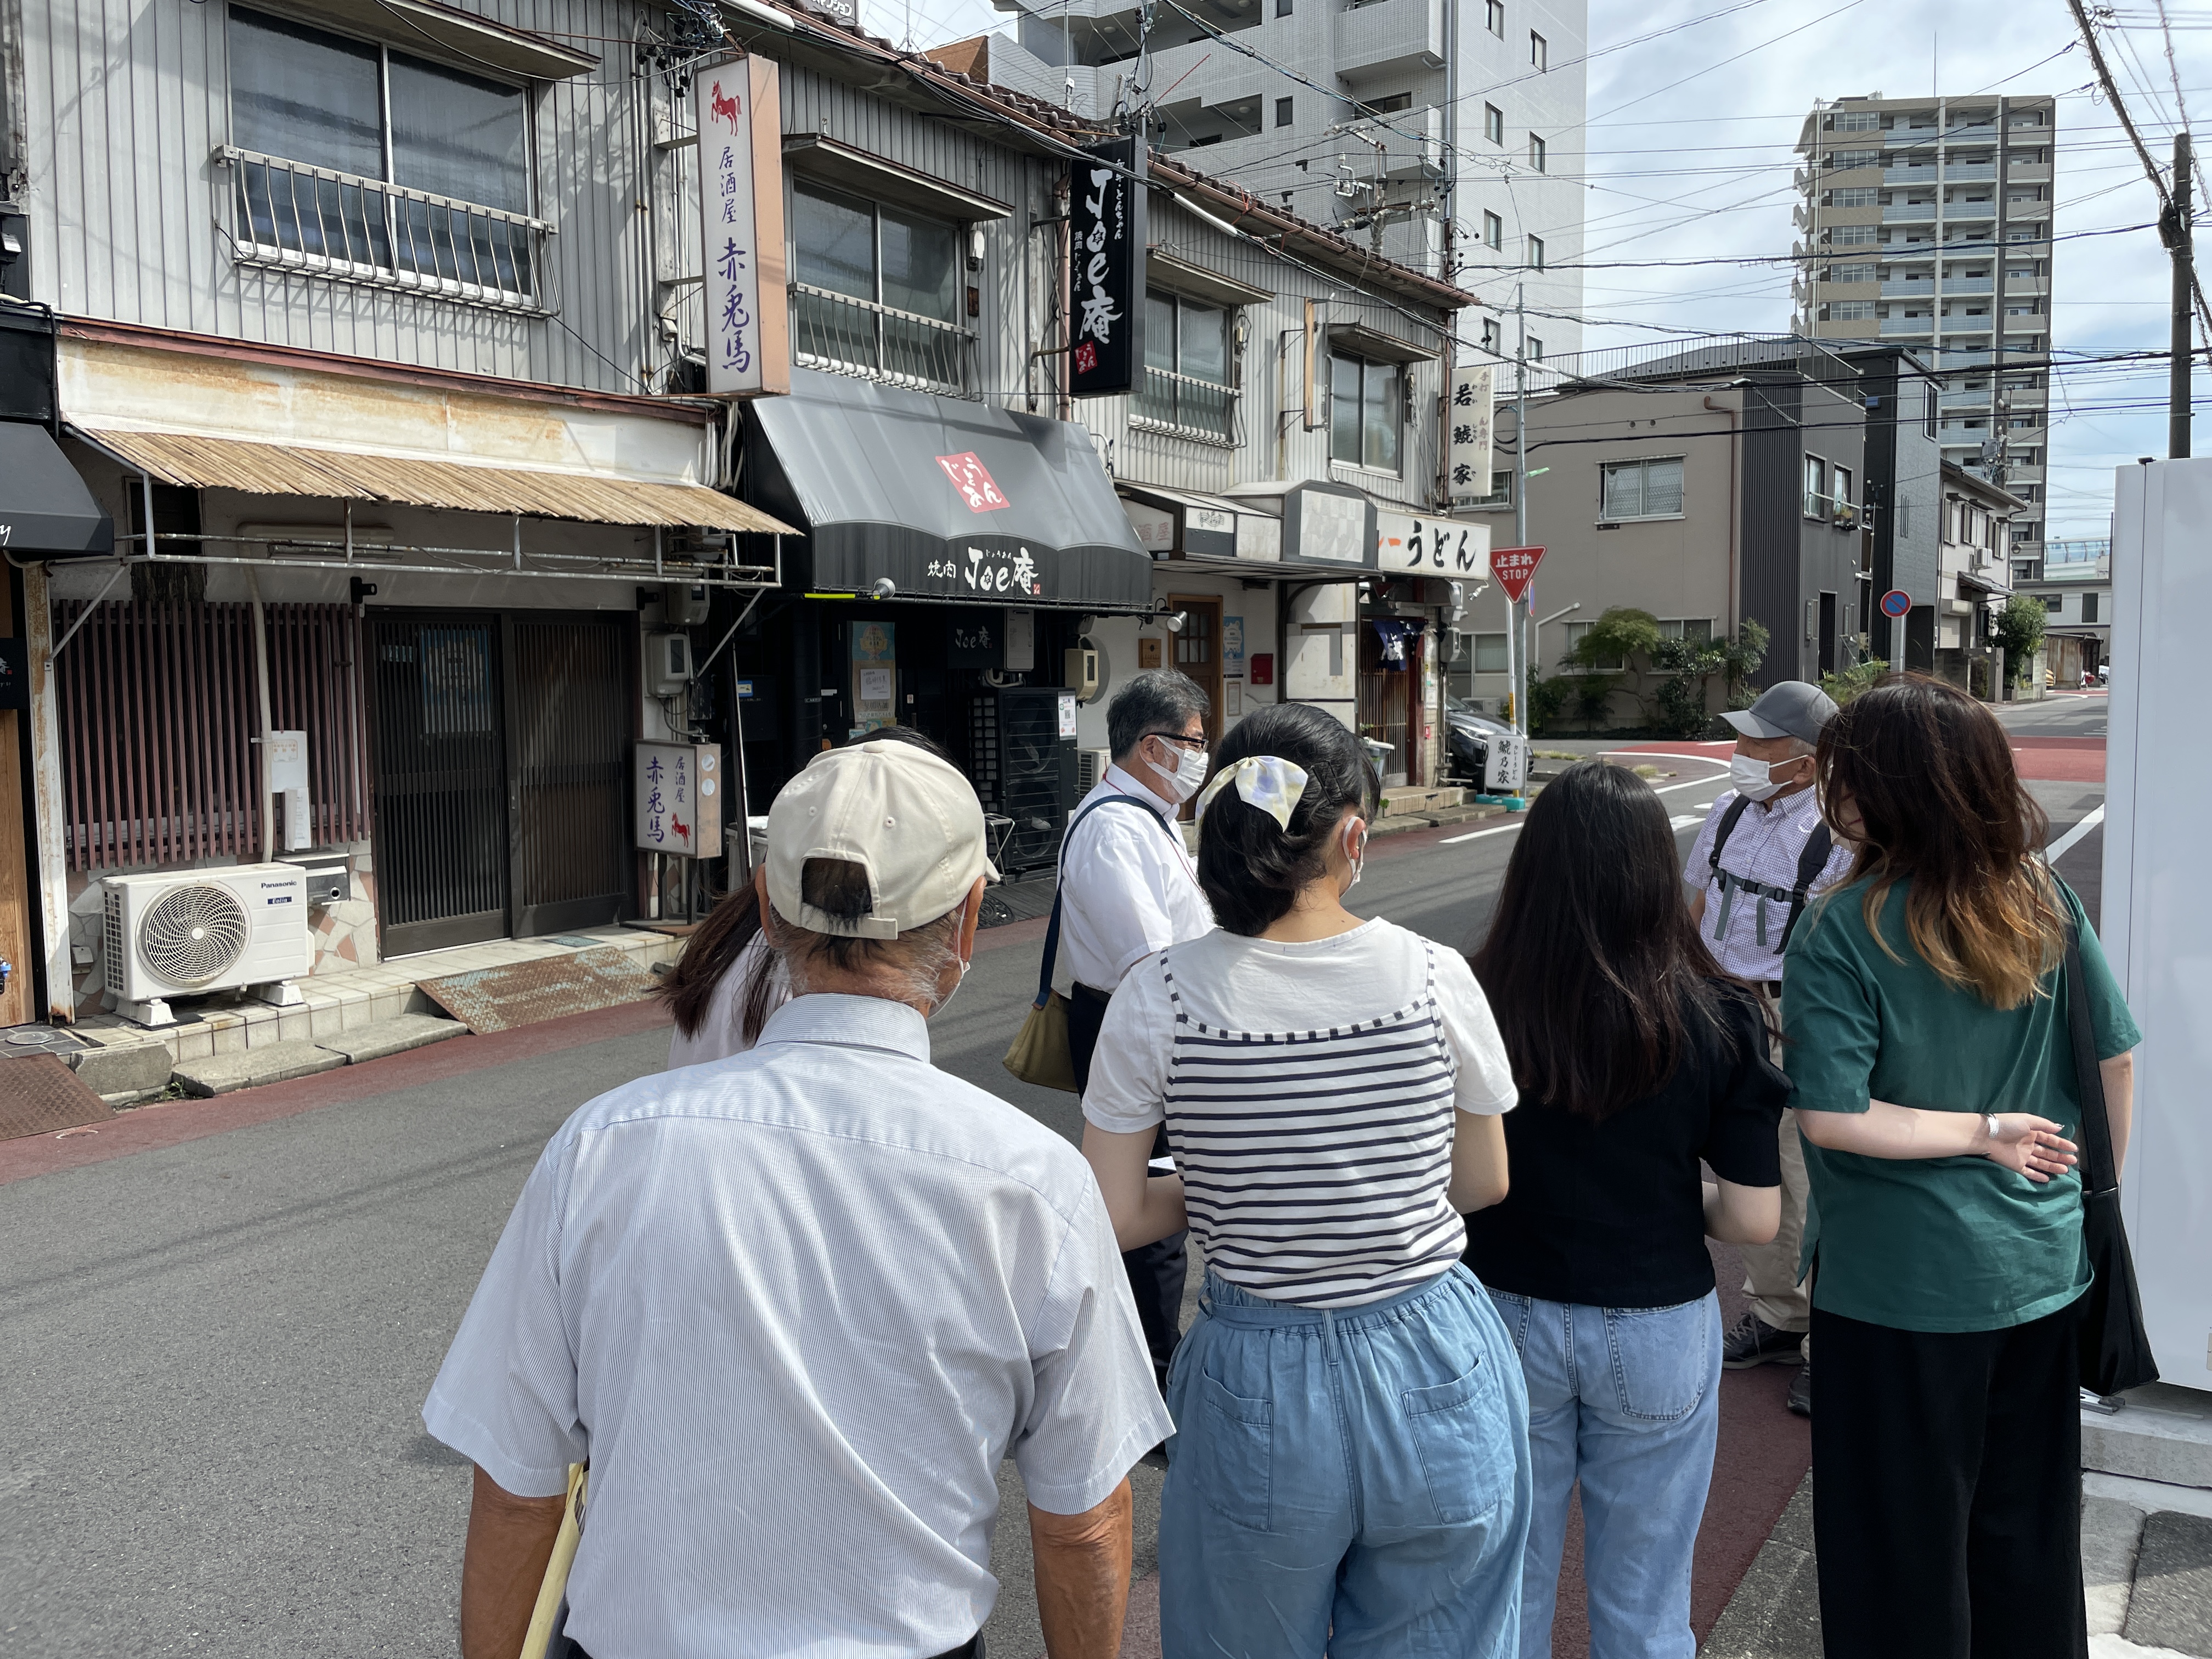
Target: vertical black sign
<point>1106,270</point>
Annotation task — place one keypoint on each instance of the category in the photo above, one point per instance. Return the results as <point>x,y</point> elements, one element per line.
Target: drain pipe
<point>261,699</point>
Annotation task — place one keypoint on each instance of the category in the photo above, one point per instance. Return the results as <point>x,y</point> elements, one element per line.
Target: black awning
<point>45,510</point>
<point>948,499</point>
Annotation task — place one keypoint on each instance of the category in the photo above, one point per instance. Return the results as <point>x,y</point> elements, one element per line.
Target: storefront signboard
<point>1106,266</point>
<point>1259,537</point>
<point>1469,419</point>
<point>1155,526</point>
<point>677,793</point>
<point>1441,546</point>
<point>1325,526</point>
<point>741,208</point>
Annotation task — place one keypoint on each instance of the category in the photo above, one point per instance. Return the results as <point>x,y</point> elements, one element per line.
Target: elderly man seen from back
<point>794,1307</point>
<point>1763,852</point>
<point>1127,888</point>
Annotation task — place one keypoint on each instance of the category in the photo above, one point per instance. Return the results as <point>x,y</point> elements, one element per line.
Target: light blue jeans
<point>1627,1401</point>
<point>1353,1481</point>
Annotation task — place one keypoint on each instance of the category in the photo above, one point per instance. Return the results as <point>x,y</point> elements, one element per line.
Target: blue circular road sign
<point>1896,603</point>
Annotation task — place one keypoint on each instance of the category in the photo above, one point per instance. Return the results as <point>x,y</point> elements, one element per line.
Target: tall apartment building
<point>1469,167</point>
<point>1926,224</point>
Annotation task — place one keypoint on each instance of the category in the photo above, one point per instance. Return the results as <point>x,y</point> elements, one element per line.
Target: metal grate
<point>849,336</point>
<point>156,711</point>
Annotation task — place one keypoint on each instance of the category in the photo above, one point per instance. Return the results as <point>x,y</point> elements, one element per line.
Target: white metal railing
<point>1906,213</point>
<point>845,334</point>
<point>1187,405</point>
<point>295,216</point>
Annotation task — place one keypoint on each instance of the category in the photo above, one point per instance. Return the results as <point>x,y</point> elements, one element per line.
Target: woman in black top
<point>1636,1057</point>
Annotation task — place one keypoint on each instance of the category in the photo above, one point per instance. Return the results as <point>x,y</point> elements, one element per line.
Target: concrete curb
<point>280,1062</point>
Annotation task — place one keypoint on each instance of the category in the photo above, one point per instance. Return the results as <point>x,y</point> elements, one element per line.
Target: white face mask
<point>1189,774</point>
<point>1754,779</point>
<point>946,1002</point>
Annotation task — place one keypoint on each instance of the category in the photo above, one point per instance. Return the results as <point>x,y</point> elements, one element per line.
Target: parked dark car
<point>1468,734</point>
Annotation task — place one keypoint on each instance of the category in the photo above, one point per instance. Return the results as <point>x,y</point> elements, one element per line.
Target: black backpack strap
<point>1052,928</point>
<point>1810,863</point>
<point>1737,808</point>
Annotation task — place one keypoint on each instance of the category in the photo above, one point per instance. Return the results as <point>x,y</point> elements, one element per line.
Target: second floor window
<point>1537,152</point>
<point>436,184</point>
<point>875,290</point>
<point>1816,488</point>
<point>1186,365</point>
<point>1641,489</point>
<point>1367,408</point>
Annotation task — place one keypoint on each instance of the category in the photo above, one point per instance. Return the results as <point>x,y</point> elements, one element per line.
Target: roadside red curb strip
<point>173,1123</point>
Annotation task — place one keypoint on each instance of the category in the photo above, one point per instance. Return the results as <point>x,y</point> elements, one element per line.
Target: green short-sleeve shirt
<point>1943,1244</point>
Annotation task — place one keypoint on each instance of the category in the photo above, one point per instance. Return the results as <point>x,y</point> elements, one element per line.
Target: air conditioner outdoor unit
<point>197,931</point>
<point>1090,766</point>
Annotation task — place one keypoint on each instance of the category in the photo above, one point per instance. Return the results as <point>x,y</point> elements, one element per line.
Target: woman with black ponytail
<point>1351,1470</point>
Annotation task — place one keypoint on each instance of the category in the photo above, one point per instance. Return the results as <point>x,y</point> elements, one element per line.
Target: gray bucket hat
<point>1792,708</point>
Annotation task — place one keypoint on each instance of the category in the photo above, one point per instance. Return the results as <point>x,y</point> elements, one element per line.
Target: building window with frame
<point>875,290</point>
<point>1535,253</point>
<point>1494,17</point>
<point>432,180</point>
<point>1848,311</point>
<point>1698,630</point>
<point>2088,607</point>
<point>1840,496</point>
<point>1367,411</point>
<point>1285,111</point>
<point>1540,51</point>
<point>1576,630</point>
<point>1535,349</point>
<point>1494,337</point>
<point>2054,604</point>
<point>1816,488</point>
<point>1537,152</point>
<point>1187,374</point>
<point>1500,496</point>
<point>1494,123</point>
<point>1490,655</point>
<point>1649,488</point>
<point>1391,103</point>
<point>1493,233</point>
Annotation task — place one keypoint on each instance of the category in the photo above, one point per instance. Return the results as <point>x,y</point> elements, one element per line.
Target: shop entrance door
<point>497,746</point>
<point>1197,652</point>
<point>1385,705</point>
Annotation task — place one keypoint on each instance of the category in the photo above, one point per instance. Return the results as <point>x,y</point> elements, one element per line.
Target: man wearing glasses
<point>1127,888</point>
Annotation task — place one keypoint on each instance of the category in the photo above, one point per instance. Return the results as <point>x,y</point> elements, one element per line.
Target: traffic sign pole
<point>1514,569</point>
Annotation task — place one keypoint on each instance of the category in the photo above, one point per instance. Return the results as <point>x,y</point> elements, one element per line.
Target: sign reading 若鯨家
<point>1106,268</point>
<point>1469,417</point>
<point>741,225</point>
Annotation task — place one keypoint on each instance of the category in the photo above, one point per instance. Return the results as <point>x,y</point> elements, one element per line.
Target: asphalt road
<point>213,1354</point>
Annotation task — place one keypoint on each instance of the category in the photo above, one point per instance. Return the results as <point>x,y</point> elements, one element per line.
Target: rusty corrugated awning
<point>210,463</point>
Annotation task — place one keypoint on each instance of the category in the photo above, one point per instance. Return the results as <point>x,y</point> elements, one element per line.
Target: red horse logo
<point>719,109</point>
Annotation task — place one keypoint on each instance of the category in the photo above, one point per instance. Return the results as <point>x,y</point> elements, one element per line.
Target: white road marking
<point>2067,842</point>
<point>1503,828</point>
<point>1684,820</point>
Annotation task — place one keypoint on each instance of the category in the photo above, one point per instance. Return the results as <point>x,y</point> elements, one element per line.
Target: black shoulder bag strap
<point>1737,808</point>
<point>1052,929</point>
<point>1810,863</point>
<point>2114,1347</point>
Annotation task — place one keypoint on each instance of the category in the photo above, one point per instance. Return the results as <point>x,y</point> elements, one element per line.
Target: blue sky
<point>1691,156</point>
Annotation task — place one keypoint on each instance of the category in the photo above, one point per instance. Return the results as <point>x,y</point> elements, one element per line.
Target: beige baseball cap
<point>904,815</point>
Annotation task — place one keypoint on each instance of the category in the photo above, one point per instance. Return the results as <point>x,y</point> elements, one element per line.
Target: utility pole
<point>1517,609</point>
<point>2174,227</point>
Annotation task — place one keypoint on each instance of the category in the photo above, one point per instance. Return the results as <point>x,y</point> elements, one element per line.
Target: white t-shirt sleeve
<point>1097,1409</point>
<point>1129,1068</point>
<point>1485,1071</point>
<point>506,1397</point>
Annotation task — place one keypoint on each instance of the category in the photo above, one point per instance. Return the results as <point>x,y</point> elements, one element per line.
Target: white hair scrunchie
<point>1267,781</point>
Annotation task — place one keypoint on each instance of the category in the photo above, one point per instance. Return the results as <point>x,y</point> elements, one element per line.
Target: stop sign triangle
<point>1514,567</point>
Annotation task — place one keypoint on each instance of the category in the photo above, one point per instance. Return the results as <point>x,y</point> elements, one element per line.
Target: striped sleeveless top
<point>1315,1163</point>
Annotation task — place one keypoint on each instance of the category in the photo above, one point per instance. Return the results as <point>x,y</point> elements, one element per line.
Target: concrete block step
<point>392,1036</point>
<point>2162,1433</point>
<point>250,1068</point>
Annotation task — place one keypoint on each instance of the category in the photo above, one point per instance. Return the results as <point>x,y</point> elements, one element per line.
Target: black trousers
<point>1156,1271</point>
<point>1947,1491</point>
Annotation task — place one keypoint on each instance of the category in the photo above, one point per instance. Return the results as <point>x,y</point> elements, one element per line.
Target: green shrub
<point>2020,631</point>
<point>1843,686</point>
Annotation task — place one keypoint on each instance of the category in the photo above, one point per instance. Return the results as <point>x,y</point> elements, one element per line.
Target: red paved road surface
<point>2045,760</point>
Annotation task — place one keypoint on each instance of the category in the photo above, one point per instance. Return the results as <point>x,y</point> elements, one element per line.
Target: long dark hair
<point>713,948</point>
<point>1940,804</point>
<point>1250,867</point>
<point>1593,965</point>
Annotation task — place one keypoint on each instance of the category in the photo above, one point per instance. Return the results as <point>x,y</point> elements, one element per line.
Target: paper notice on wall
<point>1468,417</point>
<point>875,685</point>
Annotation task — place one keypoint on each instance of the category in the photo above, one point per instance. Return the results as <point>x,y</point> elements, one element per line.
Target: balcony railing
<point>1186,405</point>
<point>1909,213</point>
<point>844,335</point>
<point>340,225</point>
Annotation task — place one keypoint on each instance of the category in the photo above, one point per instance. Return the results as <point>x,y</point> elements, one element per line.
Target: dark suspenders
<point>1810,862</point>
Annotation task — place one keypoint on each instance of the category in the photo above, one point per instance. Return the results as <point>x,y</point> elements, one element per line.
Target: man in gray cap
<point>1761,855</point>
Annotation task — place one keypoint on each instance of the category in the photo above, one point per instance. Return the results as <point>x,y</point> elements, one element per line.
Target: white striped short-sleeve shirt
<point>1309,1092</point>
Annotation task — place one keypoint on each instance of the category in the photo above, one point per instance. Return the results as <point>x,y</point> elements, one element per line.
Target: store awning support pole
<point>518,541</point>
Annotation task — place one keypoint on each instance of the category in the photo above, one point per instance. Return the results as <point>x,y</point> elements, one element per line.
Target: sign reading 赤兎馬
<point>741,225</point>
<point>1105,264</point>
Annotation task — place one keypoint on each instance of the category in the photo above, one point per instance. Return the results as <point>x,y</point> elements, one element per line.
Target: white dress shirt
<point>721,1033</point>
<point>1764,846</point>
<point>796,1307</point>
<point>1127,888</point>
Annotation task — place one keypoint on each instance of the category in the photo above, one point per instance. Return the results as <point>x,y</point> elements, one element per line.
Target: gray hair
<point>910,968</point>
<point>1158,700</point>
